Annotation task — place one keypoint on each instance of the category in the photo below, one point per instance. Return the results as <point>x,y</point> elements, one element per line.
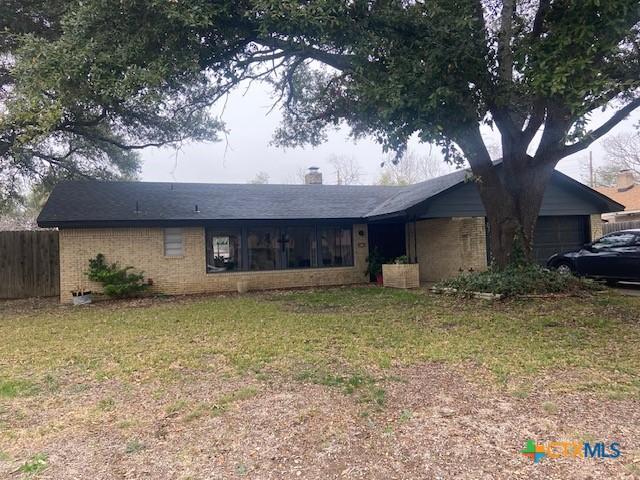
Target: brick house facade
<point>286,236</point>
<point>143,248</point>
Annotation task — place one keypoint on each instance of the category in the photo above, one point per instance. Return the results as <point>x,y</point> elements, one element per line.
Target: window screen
<point>298,246</point>
<point>262,246</point>
<point>250,248</point>
<point>223,250</point>
<point>335,246</point>
<point>173,242</point>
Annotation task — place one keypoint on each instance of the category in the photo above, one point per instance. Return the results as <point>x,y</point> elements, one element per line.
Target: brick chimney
<point>625,180</point>
<point>313,176</point>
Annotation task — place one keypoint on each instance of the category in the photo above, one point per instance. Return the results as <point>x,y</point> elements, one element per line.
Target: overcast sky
<point>247,150</point>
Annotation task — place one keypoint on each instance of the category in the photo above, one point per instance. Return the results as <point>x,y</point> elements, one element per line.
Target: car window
<point>615,240</point>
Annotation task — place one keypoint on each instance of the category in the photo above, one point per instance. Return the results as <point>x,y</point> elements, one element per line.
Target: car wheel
<point>564,268</point>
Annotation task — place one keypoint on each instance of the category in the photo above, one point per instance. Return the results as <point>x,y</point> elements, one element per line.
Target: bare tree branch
<point>605,128</point>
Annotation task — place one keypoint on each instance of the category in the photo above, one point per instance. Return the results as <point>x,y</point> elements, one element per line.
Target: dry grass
<point>268,385</point>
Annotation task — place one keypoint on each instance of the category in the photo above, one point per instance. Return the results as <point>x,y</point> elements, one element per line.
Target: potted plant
<point>81,296</point>
<point>374,266</point>
<point>401,274</point>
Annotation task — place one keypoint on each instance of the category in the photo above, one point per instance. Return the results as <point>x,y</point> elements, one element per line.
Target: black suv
<point>614,257</point>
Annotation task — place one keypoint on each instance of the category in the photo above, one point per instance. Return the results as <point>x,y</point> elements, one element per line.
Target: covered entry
<point>388,238</point>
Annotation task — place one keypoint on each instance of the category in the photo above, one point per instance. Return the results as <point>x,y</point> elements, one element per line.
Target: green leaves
<point>116,281</point>
<point>112,76</point>
<point>115,78</point>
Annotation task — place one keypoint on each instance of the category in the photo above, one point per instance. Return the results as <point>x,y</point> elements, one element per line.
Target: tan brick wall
<point>447,245</point>
<point>143,248</point>
<point>596,226</point>
<point>401,276</point>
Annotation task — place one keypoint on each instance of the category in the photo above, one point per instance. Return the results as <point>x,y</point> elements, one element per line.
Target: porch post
<point>415,240</point>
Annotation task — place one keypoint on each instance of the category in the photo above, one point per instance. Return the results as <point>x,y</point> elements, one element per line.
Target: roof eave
<point>163,223</point>
<point>386,216</point>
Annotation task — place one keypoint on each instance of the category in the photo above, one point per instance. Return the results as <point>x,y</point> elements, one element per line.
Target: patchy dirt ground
<point>212,388</point>
<point>435,424</point>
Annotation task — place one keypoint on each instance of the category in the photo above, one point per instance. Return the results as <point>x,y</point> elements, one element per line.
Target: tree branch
<point>475,150</point>
<point>538,21</point>
<point>602,130</point>
<point>335,60</point>
<point>536,119</point>
<point>557,124</point>
<point>116,143</point>
<point>505,55</point>
<point>59,161</point>
<point>262,56</point>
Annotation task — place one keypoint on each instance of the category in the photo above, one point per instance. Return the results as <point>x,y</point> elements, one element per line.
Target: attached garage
<point>560,233</point>
<point>447,231</point>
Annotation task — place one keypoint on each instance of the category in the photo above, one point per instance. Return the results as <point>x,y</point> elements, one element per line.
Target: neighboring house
<point>627,193</point>
<point>191,238</point>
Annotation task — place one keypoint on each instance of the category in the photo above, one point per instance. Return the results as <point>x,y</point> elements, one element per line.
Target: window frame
<point>280,229</point>
<point>165,233</point>
<point>223,231</point>
<point>276,251</point>
<point>319,237</point>
<point>281,251</point>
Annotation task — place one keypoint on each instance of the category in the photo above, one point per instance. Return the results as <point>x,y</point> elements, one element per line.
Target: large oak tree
<point>145,72</point>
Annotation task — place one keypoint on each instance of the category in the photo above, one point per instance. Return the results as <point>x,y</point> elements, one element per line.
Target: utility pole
<point>591,179</point>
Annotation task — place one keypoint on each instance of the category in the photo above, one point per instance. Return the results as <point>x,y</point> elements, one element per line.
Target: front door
<point>388,239</point>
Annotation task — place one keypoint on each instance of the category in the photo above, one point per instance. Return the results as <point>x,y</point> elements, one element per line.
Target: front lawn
<point>271,384</point>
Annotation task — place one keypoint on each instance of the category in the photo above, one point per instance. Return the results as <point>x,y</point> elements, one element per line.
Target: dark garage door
<point>559,234</point>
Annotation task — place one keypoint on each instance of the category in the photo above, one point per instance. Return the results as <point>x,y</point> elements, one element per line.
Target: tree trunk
<point>512,201</point>
<point>511,192</point>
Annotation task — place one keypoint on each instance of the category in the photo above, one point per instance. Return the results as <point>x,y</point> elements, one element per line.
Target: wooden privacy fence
<point>614,227</point>
<point>29,264</point>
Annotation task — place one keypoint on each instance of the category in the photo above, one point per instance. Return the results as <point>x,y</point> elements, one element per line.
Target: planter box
<point>401,275</point>
<point>85,299</point>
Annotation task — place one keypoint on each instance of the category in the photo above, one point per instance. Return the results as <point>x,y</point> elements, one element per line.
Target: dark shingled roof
<point>412,194</point>
<point>94,203</point>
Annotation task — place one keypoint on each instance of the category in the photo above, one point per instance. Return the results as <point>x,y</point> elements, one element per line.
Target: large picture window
<point>277,248</point>
<point>223,251</point>
<point>299,249</point>
<point>336,248</point>
<point>262,246</point>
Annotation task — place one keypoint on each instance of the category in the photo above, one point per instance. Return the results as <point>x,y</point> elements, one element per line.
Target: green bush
<point>518,280</point>
<point>401,260</point>
<point>116,281</point>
